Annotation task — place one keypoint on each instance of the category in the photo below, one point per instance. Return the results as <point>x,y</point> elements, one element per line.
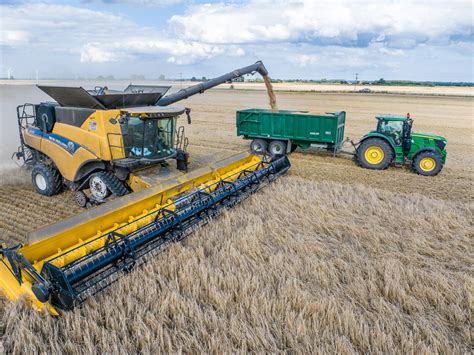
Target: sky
<point>296,39</point>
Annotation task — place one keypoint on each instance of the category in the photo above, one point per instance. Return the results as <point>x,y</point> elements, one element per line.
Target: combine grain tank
<point>281,132</point>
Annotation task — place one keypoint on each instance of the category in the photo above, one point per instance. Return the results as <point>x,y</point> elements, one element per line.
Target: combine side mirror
<point>188,114</point>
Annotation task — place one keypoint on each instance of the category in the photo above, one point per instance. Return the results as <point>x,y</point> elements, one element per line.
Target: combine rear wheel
<point>46,179</point>
<point>105,182</point>
<point>427,163</point>
<point>374,153</point>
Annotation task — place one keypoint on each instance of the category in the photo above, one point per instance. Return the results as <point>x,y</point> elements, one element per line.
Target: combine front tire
<point>46,179</point>
<point>427,164</point>
<point>258,146</point>
<point>374,153</point>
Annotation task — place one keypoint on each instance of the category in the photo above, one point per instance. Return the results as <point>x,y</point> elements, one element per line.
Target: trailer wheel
<point>374,153</point>
<point>427,163</point>
<point>46,179</point>
<point>277,148</point>
<point>259,146</point>
<point>293,147</point>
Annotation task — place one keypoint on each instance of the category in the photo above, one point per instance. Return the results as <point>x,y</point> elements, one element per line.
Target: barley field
<point>331,258</point>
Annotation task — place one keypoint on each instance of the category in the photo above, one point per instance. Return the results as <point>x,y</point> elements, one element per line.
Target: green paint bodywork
<point>300,128</point>
<point>419,141</point>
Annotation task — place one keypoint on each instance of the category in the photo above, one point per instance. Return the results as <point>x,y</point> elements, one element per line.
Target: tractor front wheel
<point>374,153</point>
<point>427,163</point>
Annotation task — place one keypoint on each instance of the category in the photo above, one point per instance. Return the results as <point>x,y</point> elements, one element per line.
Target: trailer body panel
<point>298,127</point>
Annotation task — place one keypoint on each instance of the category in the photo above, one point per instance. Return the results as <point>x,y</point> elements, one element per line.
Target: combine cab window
<point>391,129</point>
<point>150,138</point>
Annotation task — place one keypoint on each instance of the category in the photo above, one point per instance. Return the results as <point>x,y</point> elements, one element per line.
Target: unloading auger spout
<point>200,88</point>
<point>65,263</point>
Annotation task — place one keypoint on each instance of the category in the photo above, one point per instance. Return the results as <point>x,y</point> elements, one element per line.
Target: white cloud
<point>305,38</point>
<point>96,53</point>
<point>12,38</point>
<point>97,37</point>
<point>303,60</point>
<point>402,23</point>
<point>179,52</point>
<point>60,26</point>
<point>138,2</point>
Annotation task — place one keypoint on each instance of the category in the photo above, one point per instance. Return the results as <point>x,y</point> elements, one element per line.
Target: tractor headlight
<point>440,144</point>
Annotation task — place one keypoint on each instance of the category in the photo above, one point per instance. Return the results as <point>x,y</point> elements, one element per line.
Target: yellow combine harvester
<point>107,142</point>
<point>112,143</point>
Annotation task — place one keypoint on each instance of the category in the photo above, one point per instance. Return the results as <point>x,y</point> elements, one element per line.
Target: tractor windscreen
<point>150,138</point>
<point>392,129</point>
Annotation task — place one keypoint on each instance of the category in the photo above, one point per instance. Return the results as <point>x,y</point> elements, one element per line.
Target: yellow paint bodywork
<point>88,231</point>
<point>98,137</point>
<point>137,184</point>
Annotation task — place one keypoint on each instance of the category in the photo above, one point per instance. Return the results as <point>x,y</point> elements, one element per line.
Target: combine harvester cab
<point>64,263</point>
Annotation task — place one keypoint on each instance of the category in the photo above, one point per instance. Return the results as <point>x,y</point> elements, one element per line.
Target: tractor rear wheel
<point>374,153</point>
<point>427,163</point>
<point>277,148</point>
<point>46,179</point>
<point>259,146</point>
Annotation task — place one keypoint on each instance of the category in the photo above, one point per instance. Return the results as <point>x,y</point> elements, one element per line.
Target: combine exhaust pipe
<point>80,256</point>
<point>200,88</point>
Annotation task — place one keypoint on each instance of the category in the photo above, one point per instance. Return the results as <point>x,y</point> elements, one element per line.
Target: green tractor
<point>394,142</point>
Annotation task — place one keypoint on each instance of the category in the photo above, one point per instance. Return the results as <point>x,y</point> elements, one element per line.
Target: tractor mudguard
<point>427,149</point>
<point>378,135</point>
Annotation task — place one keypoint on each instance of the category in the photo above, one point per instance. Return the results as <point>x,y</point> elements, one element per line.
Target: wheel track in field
<point>23,210</point>
<point>323,167</point>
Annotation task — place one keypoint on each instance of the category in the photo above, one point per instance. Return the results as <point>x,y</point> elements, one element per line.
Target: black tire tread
<point>388,159</point>
<point>53,178</point>
<point>264,143</point>
<point>113,183</point>
<point>275,142</point>
<point>427,153</point>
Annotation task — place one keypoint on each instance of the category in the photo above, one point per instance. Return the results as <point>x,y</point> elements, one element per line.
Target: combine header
<point>66,262</point>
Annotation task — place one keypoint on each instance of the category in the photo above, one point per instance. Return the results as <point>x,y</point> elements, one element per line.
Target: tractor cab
<point>394,142</point>
<point>396,128</point>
